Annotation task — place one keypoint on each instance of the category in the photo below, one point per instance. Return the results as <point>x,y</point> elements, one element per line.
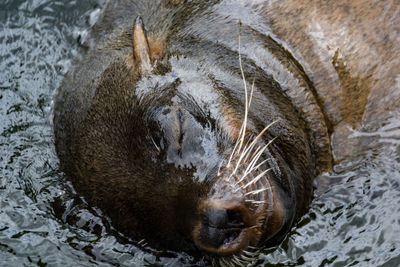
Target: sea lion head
<point>180,173</point>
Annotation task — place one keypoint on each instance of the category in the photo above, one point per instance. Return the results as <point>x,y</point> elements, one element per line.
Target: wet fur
<point>93,123</point>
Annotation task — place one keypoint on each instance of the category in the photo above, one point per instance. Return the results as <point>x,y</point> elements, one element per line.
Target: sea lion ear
<point>141,49</point>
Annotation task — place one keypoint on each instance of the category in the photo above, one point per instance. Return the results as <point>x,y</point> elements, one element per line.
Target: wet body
<point>151,136</point>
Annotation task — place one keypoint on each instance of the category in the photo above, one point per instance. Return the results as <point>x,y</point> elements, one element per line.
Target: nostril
<point>234,218</point>
<point>221,226</point>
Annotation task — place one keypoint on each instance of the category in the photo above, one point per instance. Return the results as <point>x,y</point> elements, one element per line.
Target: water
<point>354,219</point>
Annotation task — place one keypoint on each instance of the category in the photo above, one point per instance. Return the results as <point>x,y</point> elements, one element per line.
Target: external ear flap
<point>141,48</point>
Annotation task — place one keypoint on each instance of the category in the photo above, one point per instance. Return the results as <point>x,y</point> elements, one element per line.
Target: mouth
<point>237,241</point>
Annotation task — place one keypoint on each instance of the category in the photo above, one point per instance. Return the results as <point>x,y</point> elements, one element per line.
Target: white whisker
<point>246,145</point>
<point>242,133</point>
<point>260,134</point>
<point>258,155</point>
<point>245,95</point>
<point>251,168</point>
<point>245,175</point>
<point>251,254</point>
<point>226,262</point>
<point>253,143</point>
<point>258,177</point>
<point>256,167</point>
<point>247,258</point>
<point>250,153</point>
<point>234,148</point>
<point>237,260</point>
<point>259,165</point>
<point>251,92</point>
<point>241,179</point>
<point>256,201</point>
<point>263,131</point>
<point>257,191</point>
<point>236,185</point>
<point>219,169</point>
<point>154,143</point>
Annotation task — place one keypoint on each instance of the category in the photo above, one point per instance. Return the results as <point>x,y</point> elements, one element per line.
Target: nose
<point>224,229</point>
<point>221,226</point>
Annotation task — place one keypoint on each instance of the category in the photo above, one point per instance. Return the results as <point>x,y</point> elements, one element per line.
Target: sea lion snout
<point>225,227</point>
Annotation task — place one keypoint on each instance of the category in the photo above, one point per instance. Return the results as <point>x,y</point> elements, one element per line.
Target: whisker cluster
<point>246,169</point>
<point>249,151</point>
<point>242,259</point>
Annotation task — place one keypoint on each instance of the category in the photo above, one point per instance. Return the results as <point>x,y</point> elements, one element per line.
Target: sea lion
<point>191,125</point>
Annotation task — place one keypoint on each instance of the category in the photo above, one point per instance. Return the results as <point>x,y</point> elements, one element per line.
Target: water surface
<point>354,219</point>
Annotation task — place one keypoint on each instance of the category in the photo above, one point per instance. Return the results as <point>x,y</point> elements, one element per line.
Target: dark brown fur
<point>103,129</point>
